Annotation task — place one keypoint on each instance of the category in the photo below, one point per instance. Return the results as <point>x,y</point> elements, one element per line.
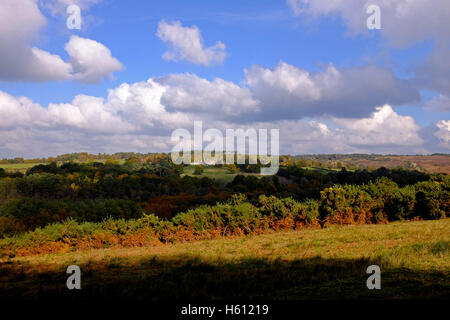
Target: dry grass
<point>330,263</point>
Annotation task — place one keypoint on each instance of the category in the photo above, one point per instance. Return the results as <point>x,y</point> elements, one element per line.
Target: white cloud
<point>290,80</point>
<point>188,92</point>
<point>129,108</point>
<point>341,103</point>
<point>383,128</point>
<point>131,118</point>
<point>141,103</point>
<point>288,91</point>
<point>44,65</point>
<point>89,60</point>
<point>308,137</point>
<point>88,114</point>
<point>443,133</point>
<point>186,43</point>
<point>135,118</point>
<point>19,111</point>
<point>21,21</point>
<point>384,131</point>
<point>403,22</point>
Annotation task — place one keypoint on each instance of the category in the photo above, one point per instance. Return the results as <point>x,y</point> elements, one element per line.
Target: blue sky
<point>255,32</point>
<point>305,37</point>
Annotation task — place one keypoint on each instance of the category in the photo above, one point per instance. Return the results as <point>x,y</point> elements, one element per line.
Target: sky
<point>136,71</point>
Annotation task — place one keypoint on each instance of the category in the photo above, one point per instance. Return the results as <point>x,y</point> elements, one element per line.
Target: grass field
<point>330,263</point>
<point>220,174</point>
<point>21,167</point>
<point>223,176</point>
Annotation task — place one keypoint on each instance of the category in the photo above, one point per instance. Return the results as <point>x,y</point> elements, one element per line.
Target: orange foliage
<point>147,237</point>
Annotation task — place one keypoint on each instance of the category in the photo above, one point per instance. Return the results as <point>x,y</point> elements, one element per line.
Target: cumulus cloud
<point>403,22</point>
<point>383,128</point>
<point>89,60</point>
<point>21,20</point>
<point>443,133</point>
<point>384,131</point>
<point>136,117</point>
<point>190,93</point>
<point>141,103</point>
<point>88,114</point>
<point>288,91</point>
<point>129,108</point>
<point>145,113</point>
<point>309,137</point>
<point>131,118</point>
<point>19,111</point>
<point>186,43</point>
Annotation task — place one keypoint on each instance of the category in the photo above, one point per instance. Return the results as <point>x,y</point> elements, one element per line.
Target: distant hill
<point>432,163</point>
<point>436,163</point>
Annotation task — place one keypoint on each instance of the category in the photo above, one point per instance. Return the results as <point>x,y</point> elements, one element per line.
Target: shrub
<point>236,213</point>
<point>154,222</point>
<point>273,207</point>
<point>308,211</point>
<point>347,204</point>
<point>432,199</point>
<point>198,170</point>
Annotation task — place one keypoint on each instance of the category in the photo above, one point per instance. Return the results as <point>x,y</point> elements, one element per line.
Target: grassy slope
<point>220,174</point>
<point>305,264</point>
<point>22,167</point>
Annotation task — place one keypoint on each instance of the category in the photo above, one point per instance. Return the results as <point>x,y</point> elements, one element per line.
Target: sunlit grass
<point>220,174</point>
<point>414,258</point>
<point>21,167</point>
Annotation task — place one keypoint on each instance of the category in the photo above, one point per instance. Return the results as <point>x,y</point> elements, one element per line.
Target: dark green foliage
<point>433,198</point>
<point>234,214</point>
<point>33,213</point>
<point>385,199</point>
<point>397,203</point>
<point>309,210</point>
<point>96,191</point>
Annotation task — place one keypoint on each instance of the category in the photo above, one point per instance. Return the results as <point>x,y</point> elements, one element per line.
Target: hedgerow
<point>122,223</point>
<point>236,216</point>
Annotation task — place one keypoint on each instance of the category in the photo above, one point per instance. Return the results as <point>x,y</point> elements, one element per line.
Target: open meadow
<point>221,175</point>
<point>20,167</point>
<point>328,263</point>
